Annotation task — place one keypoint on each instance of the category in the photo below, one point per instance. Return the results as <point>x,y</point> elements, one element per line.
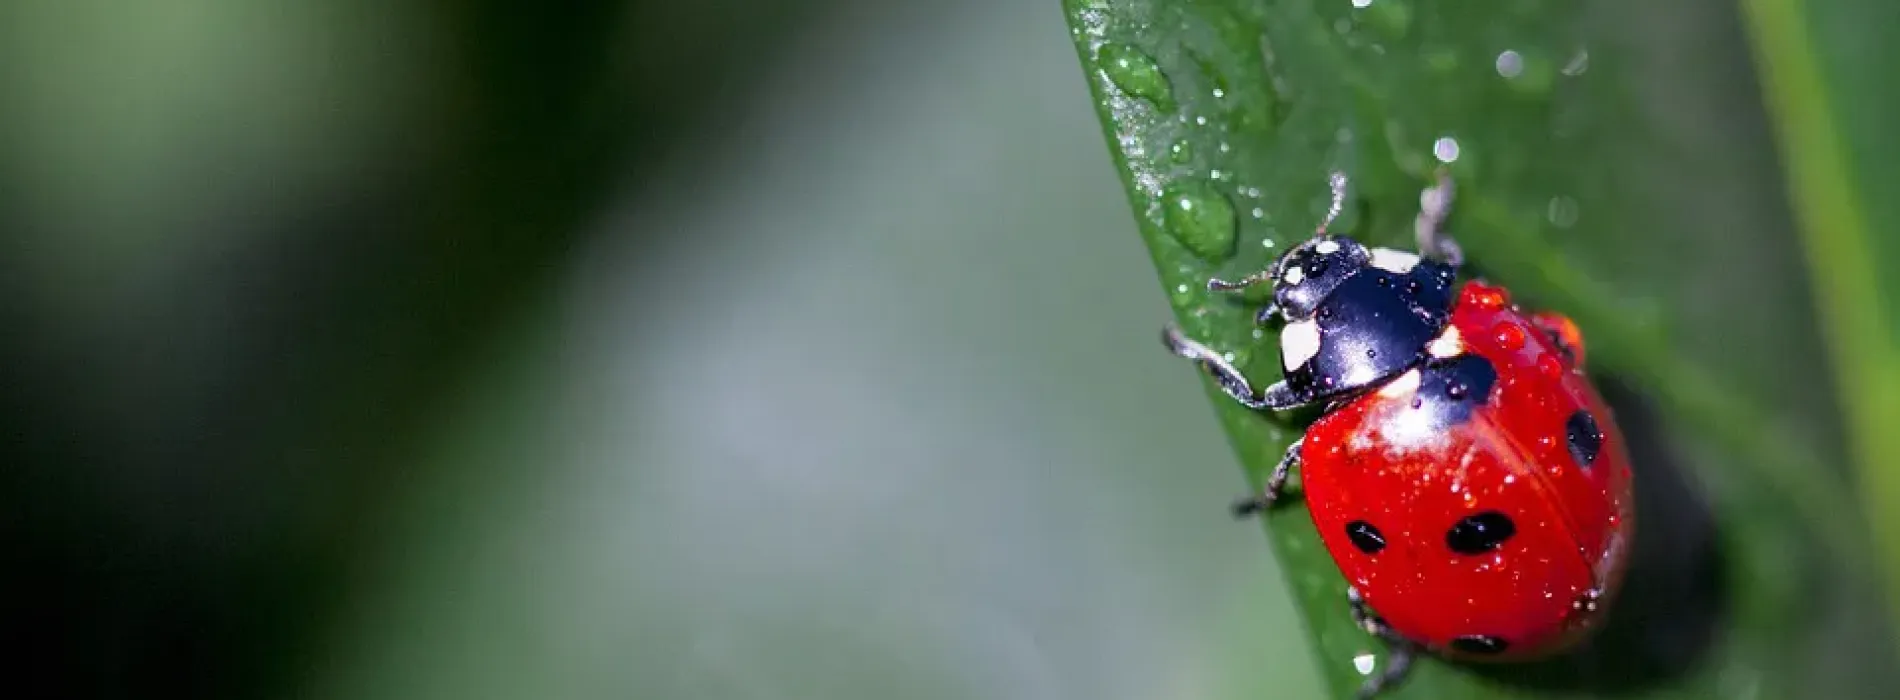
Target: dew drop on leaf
<point>1135,73</point>
<point>1181,152</point>
<point>1200,217</point>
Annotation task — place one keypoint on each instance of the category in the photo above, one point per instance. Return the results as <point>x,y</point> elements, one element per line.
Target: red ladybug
<point>1465,475</point>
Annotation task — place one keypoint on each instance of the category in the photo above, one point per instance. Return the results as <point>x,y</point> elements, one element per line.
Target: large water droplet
<point>1136,74</point>
<point>1200,217</point>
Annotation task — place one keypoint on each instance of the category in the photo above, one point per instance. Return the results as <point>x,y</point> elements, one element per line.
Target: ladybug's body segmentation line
<point>1465,476</point>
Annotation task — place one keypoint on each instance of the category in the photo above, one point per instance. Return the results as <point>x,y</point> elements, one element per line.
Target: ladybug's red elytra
<point>1465,474</point>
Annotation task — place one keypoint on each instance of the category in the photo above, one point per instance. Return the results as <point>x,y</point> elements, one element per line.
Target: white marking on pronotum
<point>1402,386</point>
<point>1392,260</point>
<point>1299,342</point>
<point>1326,247</point>
<point>1294,275</point>
<point>1447,344</point>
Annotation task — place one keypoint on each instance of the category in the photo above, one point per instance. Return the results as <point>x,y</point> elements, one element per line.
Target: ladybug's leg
<point>1276,397</point>
<point>1434,205</point>
<point>1398,660</point>
<point>1275,484</point>
<point>1267,312</point>
<point>1564,333</point>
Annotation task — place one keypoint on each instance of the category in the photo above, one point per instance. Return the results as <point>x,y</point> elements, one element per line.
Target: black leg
<point>1276,397</point>
<point>1434,205</point>
<point>1257,503</point>
<point>1266,313</point>
<point>1400,653</point>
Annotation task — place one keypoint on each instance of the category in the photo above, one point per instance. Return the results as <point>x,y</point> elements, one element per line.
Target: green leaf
<point>1826,70</point>
<point>1603,171</point>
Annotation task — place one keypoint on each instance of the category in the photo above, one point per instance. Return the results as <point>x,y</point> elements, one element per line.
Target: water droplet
<point>1445,149</point>
<point>1342,25</point>
<point>1364,663</point>
<point>1361,4</point>
<point>1216,174</point>
<point>1490,299</point>
<point>1201,218</point>
<point>1510,64</point>
<point>1181,151</point>
<point>1508,335</point>
<point>1562,211</point>
<point>1259,213</point>
<point>1136,74</point>
<point>1550,366</point>
<point>1219,93</point>
<point>1224,147</point>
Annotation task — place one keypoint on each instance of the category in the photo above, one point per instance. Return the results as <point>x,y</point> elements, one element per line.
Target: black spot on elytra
<point>1586,439</point>
<point>1479,644</point>
<point>1364,536</point>
<point>1480,532</point>
<point>1454,387</point>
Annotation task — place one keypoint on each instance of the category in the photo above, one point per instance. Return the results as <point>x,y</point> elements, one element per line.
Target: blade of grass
<point>1826,188</point>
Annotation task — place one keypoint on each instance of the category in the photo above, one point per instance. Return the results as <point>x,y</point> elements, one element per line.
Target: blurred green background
<point>735,349</point>
<point>412,350</point>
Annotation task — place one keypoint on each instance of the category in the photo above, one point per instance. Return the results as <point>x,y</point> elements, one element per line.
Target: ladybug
<point>1464,473</point>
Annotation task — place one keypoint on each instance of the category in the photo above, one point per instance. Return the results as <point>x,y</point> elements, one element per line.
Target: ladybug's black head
<point>1305,275</point>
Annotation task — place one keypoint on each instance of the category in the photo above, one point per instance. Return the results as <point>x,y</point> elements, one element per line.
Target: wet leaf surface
<point>1613,163</point>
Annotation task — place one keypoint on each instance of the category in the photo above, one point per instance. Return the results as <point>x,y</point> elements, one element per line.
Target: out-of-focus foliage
<point>652,350</point>
<point>1604,170</point>
<point>1825,69</point>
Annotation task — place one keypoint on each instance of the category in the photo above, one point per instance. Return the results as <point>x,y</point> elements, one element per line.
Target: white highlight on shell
<point>1402,386</point>
<point>1392,260</point>
<point>1326,247</point>
<point>1299,342</point>
<point>1294,275</point>
<point>1448,344</point>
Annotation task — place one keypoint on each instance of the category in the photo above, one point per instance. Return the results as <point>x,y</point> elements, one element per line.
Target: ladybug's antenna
<point>1337,180</point>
